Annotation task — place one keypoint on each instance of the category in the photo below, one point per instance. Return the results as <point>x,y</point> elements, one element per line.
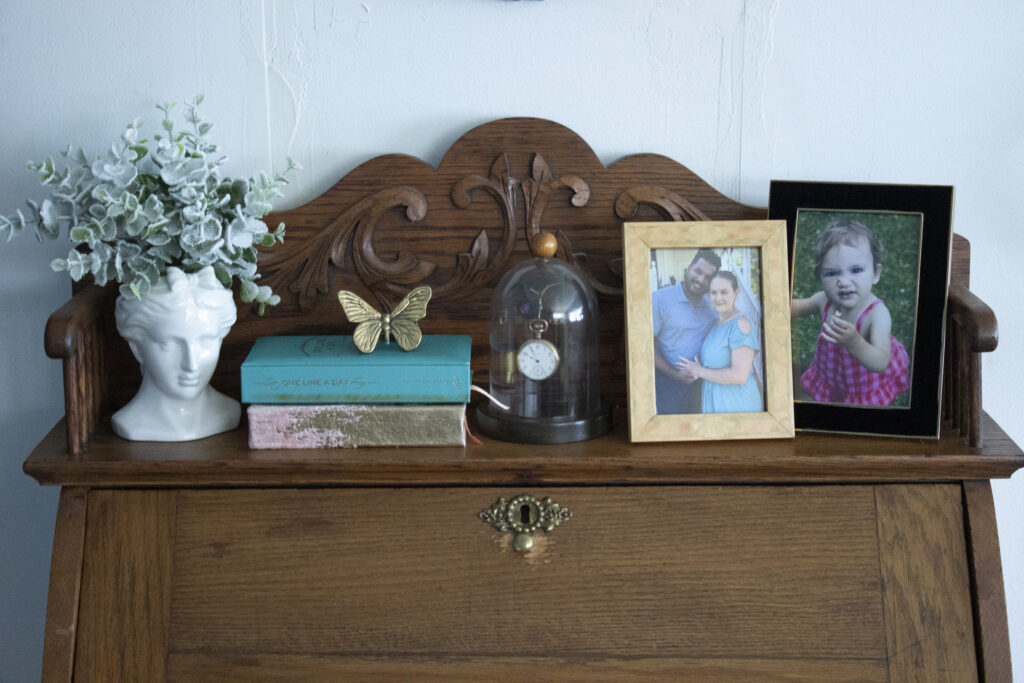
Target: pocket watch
<point>544,354</point>
<point>537,358</point>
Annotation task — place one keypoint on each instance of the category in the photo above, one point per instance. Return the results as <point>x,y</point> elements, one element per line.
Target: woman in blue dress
<point>727,356</point>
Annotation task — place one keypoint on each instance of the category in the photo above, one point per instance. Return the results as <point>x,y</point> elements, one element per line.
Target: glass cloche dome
<point>544,354</point>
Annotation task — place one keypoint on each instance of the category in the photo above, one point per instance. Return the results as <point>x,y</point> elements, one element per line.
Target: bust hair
<point>846,231</point>
<point>134,316</point>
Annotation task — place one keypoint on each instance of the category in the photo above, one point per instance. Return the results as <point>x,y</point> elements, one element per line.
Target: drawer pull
<point>524,516</point>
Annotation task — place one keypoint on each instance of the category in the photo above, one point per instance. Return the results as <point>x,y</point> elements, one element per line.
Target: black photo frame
<point>918,289</point>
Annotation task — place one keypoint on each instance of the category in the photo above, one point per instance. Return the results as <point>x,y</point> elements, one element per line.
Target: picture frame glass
<point>670,268</point>
<point>895,239</point>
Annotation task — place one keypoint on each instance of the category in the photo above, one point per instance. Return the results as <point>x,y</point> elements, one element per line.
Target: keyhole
<point>524,514</point>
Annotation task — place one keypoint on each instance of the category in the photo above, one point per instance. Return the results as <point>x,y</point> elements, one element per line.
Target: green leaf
<point>155,236</point>
<point>46,170</point>
<point>223,276</point>
<point>248,291</point>
<point>102,272</point>
<point>82,235</point>
<point>50,217</point>
<point>107,230</point>
<point>78,265</point>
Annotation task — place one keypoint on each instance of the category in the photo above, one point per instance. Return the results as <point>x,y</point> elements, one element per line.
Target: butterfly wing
<point>357,310</point>
<point>414,305</point>
<point>405,317</point>
<point>368,321</point>
<point>366,335</point>
<point>406,332</point>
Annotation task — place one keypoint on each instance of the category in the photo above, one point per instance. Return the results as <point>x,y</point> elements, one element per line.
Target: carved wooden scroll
<point>303,270</point>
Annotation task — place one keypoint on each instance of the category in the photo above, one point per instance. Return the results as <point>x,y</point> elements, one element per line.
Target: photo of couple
<point>707,321</point>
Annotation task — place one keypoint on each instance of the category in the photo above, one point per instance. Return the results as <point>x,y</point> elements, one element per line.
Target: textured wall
<point>917,92</point>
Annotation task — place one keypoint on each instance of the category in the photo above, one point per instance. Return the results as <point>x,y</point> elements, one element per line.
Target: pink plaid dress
<point>835,376</point>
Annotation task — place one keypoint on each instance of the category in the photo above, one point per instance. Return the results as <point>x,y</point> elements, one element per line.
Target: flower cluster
<point>145,206</point>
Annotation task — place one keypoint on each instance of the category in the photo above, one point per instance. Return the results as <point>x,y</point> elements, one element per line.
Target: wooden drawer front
<point>829,582</point>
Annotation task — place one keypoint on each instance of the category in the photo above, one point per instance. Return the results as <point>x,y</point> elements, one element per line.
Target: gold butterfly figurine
<point>400,323</point>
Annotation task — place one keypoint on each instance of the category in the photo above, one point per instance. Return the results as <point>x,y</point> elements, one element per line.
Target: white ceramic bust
<point>175,332</point>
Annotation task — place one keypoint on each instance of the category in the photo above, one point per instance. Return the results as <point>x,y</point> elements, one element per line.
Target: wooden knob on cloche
<point>544,245</point>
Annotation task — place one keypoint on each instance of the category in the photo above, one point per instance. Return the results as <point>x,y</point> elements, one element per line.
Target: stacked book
<point>322,392</point>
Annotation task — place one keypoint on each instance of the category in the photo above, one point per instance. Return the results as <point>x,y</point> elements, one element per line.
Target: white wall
<point>919,91</point>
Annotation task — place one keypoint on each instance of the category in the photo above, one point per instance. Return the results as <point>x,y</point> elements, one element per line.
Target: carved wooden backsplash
<point>395,222</point>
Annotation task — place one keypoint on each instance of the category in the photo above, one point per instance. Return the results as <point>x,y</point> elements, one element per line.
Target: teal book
<point>330,369</point>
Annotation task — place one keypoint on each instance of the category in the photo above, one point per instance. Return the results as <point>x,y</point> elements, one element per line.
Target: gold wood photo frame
<point>708,330</point>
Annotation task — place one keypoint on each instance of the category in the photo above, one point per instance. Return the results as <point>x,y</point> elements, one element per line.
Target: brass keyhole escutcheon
<point>524,516</point>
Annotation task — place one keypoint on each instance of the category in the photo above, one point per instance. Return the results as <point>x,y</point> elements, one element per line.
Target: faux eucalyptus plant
<point>147,205</point>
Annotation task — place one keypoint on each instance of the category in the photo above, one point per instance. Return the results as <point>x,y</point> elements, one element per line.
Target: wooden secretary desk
<point>823,557</point>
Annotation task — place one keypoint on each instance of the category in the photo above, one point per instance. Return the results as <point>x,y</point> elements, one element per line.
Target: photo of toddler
<point>856,358</point>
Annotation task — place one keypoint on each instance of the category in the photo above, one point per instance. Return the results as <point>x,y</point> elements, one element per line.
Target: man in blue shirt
<point>682,317</point>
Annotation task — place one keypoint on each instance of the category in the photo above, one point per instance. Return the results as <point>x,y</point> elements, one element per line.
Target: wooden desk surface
<point>226,460</point>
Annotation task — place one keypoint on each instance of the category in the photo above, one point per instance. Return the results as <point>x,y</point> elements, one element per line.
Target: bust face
<point>179,351</point>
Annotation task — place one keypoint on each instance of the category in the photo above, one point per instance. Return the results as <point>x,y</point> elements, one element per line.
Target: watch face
<point>537,359</point>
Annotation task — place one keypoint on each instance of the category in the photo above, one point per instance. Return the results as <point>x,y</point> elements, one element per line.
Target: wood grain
<point>65,586</point>
<point>79,333</point>
<point>226,459</point>
<point>991,632</point>
<point>971,330</point>
<point>125,604</point>
<point>927,600</point>
<point>270,667</point>
<point>731,573</point>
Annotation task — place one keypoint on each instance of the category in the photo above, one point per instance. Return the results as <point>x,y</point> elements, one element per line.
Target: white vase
<point>175,332</point>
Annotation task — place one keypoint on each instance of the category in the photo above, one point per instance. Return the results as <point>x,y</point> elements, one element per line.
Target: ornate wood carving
<point>670,205</point>
<point>535,191</point>
<point>539,188</point>
<point>303,270</point>
<point>475,268</point>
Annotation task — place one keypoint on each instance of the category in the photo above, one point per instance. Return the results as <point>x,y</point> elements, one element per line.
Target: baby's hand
<point>838,331</point>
